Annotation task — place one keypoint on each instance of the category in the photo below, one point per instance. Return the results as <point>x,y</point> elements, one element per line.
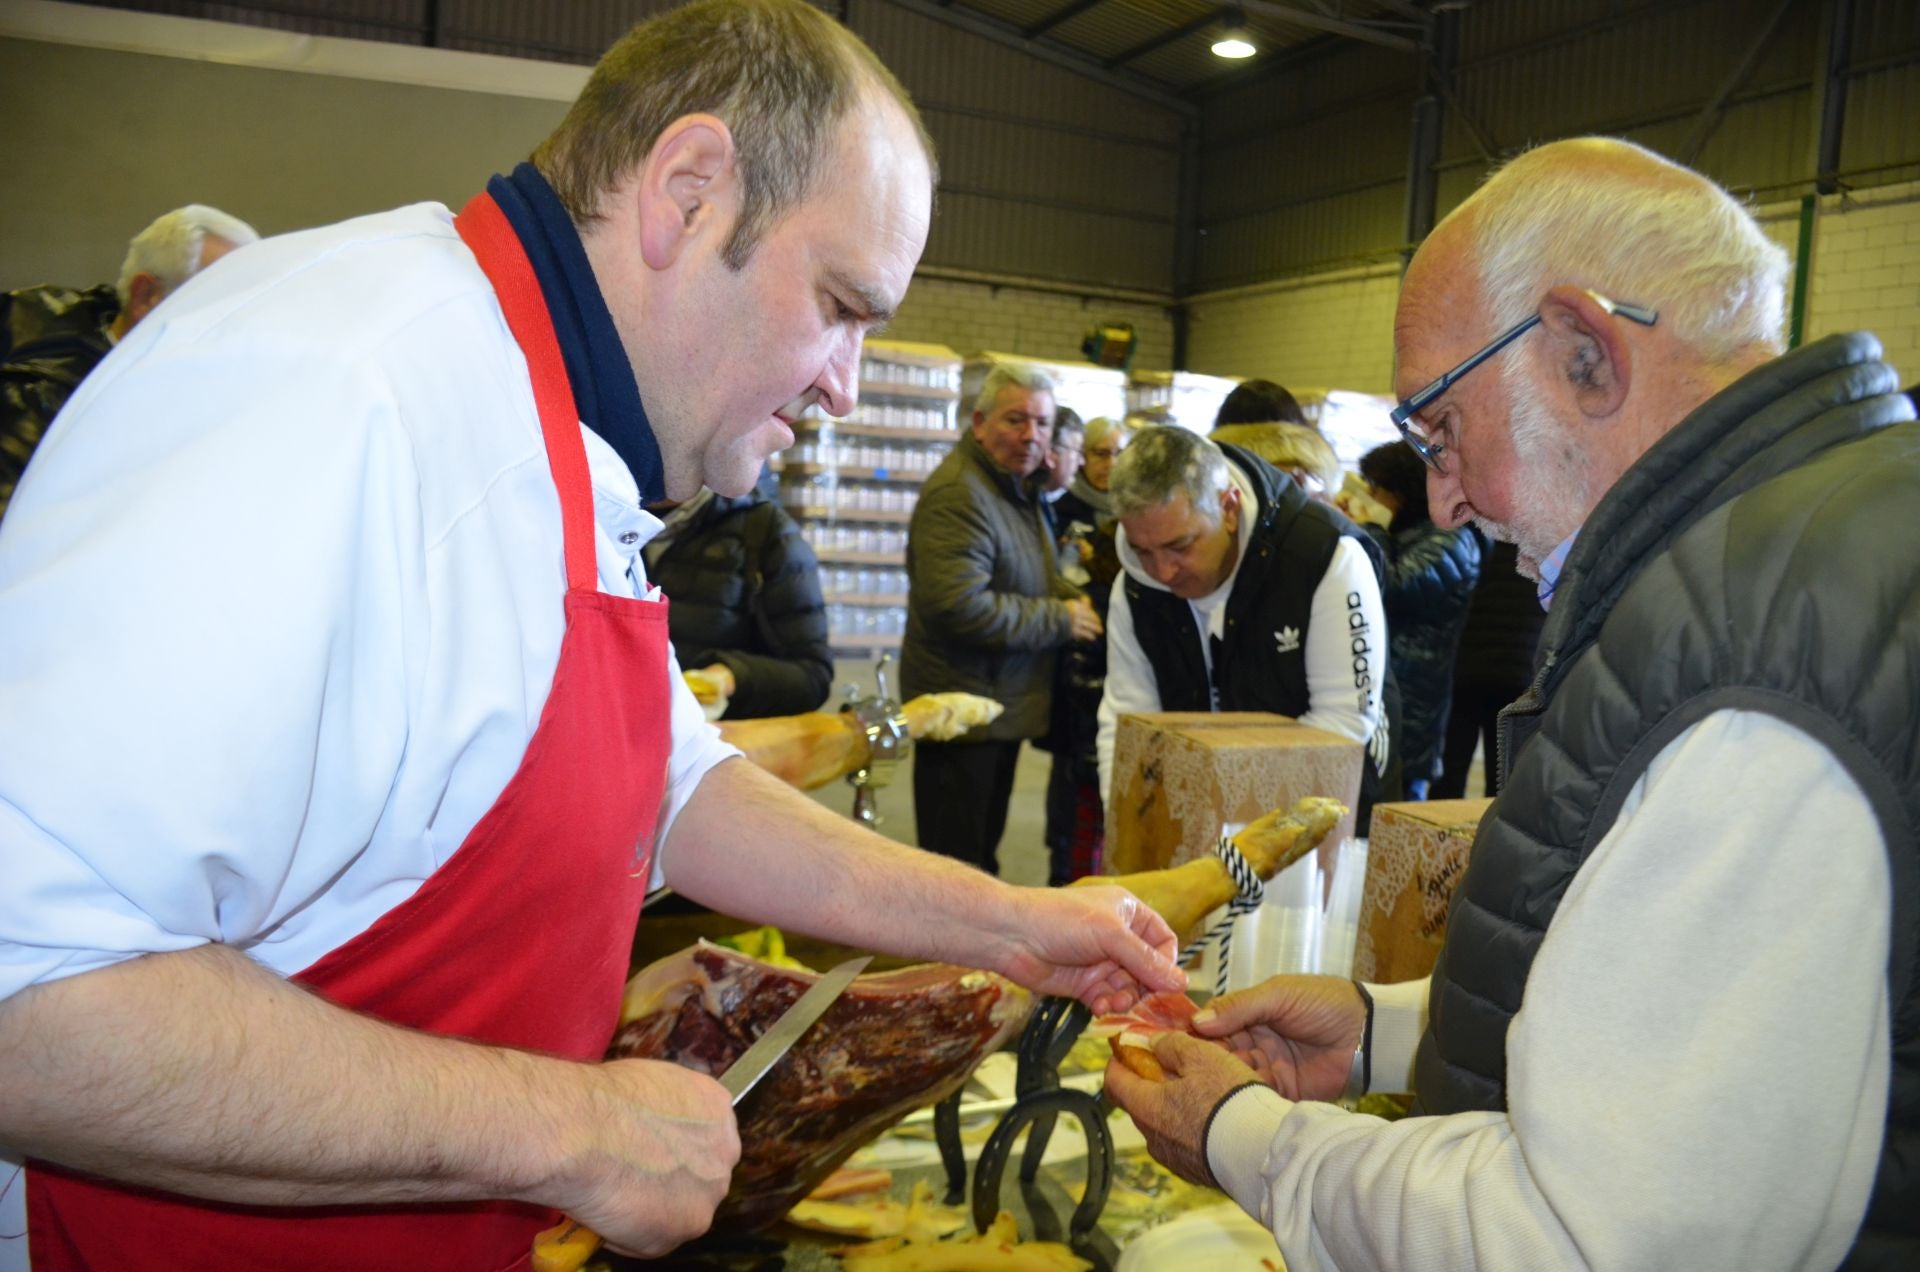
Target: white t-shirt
<point>1344,675</point>
<point>1697,1076</point>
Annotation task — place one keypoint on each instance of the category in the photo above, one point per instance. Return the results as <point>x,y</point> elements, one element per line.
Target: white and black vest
<point>1762,556</point>
<point>1254,669</point>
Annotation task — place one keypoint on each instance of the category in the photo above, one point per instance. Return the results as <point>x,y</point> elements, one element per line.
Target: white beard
<point>1550,492</point>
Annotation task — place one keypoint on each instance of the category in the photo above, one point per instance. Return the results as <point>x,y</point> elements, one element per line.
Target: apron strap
<point>504,261</point>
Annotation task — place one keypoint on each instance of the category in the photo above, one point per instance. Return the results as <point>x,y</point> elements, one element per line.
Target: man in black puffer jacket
<point>1675,1021</point>
<point>744,589</point>
<point>1430,573</point>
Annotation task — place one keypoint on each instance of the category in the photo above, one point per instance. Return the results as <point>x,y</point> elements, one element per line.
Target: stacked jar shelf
<point>852,483</point>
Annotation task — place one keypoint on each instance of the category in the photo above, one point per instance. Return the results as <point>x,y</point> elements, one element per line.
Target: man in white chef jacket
<point>1673,1024</point>
<point>280,609</point>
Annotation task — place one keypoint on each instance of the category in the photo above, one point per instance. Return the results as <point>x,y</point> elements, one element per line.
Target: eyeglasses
<point>1434,451</point>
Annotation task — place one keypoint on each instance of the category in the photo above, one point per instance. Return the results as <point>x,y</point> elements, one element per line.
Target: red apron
<point>521,939</point>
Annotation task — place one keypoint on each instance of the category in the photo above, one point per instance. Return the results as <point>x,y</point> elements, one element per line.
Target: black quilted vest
<point>1262,664</point>
<point>1762,556</point>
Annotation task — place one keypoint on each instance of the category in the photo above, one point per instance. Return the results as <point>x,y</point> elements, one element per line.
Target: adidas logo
<point>1288,639</point>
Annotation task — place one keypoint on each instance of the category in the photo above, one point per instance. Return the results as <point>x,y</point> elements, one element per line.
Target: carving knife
<point>568,1245</point>
<point>777,1041</point>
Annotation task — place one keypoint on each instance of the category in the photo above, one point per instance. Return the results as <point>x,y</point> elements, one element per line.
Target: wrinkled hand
<point>1098,944</point>
<point>1298,1033</point>
<point>651,1158</point>
<point>1086,620</point>
<point>1172,1114</point>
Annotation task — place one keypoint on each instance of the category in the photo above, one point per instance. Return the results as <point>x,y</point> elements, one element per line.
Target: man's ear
<point>1586,352</point>
<point>687,187</point>
<point>143,293</point>
<point>1230,508</point>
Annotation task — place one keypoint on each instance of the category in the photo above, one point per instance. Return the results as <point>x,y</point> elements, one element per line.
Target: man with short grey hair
<point>987,610</point>
<point>1239,593</point>
<point>1675,1021</point>
<point>54,336</point>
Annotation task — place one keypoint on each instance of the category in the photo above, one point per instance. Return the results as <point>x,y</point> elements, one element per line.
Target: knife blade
<point>778,1040</point>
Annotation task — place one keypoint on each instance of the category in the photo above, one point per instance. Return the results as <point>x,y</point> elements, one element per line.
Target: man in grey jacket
<point>986,611</point>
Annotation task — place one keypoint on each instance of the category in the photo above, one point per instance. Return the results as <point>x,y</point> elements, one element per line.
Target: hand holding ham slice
<point>1130,1033</point>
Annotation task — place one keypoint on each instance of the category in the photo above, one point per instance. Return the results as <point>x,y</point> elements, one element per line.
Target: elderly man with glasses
<point>1676,1019</point>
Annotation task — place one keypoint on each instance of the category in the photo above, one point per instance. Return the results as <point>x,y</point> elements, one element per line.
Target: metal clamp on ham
<point>888,742</point>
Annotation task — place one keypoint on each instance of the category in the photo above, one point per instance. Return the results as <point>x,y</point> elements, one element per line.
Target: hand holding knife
<point>568,1245</point>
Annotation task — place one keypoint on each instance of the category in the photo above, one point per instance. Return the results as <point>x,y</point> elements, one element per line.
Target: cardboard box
<point>1179,775</point>
<point>1415,857</point>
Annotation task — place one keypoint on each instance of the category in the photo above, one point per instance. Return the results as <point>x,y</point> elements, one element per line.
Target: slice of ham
<point>1155,1014</point>
<point>1130,1033</point>
<point>893,1042</point>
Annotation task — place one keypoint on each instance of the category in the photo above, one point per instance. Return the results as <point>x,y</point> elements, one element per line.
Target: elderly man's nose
<point>1446,501</point>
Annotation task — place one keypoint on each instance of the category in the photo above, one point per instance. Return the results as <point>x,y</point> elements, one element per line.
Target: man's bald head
<point>1605,214</point>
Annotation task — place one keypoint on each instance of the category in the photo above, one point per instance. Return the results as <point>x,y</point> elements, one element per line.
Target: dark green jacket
<point>50,337</point>
<point>986,606</point>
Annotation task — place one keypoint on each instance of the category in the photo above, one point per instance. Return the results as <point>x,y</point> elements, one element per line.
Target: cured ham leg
<point>812,749</point>
<point>1185,895</point>
<point>893,1042</point>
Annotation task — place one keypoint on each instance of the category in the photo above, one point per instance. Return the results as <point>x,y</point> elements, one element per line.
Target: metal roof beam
<point>1353,28</point>
<point>1006,34</point>
<point>1165,38</point>
<point>1060,17</point>
<point>1710,117</point>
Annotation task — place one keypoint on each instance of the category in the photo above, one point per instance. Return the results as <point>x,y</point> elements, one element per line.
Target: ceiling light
<point>1233,42</point>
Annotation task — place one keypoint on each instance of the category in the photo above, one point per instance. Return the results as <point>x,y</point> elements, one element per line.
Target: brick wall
<point>1332,331</point>
<point>1866,271</point>
<point>971,317</point>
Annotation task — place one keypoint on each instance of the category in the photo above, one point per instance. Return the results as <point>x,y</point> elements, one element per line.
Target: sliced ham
<point>893,1042</point>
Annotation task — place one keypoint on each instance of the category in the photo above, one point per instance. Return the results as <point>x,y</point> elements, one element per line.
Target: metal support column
<point>1186,242</point>
<point>1832,52</point>
<point>1438,57</point>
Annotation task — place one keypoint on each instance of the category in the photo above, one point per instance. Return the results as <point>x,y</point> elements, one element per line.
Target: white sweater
<point>1697,1077</point>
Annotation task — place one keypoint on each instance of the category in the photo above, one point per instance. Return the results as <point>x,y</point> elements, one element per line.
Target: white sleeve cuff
<point>1239,1143</point>
<point>1399,1021</point>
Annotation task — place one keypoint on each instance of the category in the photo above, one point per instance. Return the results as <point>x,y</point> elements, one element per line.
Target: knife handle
<point>565,1247</point>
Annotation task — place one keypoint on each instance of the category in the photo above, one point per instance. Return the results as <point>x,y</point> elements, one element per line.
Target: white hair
<point>1649,233</point>
<point>1023,374</point>
<point>1101,427</point>
<point>172,248</point>
<point>1166,461</point>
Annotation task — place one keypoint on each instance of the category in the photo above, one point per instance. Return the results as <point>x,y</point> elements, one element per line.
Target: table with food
<point>935,1117</point>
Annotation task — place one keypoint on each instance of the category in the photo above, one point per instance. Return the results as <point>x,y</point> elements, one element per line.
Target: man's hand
<point>1298,1033</point>
<point>710,684</point>
<point>1098,944</point>
<point>1172,1113</point>
<point>1086,621</point>
<point>651,1159</point>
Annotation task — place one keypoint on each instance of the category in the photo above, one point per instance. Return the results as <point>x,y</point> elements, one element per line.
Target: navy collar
<point>602,379</point>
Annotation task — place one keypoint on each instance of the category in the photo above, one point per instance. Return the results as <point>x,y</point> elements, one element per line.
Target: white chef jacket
<point>1697,1076</point>
<point>280,603</point>
<point>1343,691</point>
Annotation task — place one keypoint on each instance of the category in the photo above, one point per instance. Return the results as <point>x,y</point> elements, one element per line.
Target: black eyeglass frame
<point>1429,451</point>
